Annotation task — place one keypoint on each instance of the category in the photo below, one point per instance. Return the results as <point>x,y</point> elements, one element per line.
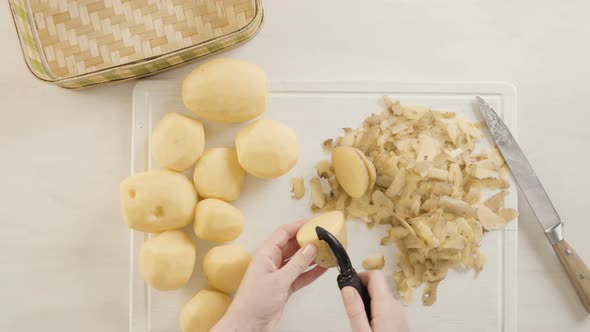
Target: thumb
<point>355,310</point>
<point>298,263</point>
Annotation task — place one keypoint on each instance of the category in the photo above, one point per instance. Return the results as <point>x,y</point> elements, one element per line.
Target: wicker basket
<point>79,43</point>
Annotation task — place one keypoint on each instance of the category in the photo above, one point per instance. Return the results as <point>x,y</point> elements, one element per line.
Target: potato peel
<point>416,171</point>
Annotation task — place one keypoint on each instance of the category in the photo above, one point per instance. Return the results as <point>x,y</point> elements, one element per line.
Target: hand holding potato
<point>270,280</point>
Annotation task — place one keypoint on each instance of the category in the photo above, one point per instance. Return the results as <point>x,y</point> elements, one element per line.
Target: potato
<point>267,148</point>
<point>224,267</point>
<point>157,201</point>
<point>166,261</point>
<point>351,171</point>
<point>334,223</point>
<point>177,142</point>
<point>203,311</point>
<point>226,90</point>
<point>219,175</point>
<point>217,221</point>
<point>374,262</point>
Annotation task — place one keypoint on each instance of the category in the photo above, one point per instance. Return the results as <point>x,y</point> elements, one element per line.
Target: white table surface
<point>64,249</point>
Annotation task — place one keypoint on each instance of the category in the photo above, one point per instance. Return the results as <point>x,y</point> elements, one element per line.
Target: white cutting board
<point>317,111</point>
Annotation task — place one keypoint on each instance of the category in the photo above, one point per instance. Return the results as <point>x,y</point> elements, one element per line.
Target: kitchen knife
<point>533,191</point>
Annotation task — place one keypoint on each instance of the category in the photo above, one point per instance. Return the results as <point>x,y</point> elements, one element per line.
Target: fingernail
<point>310,251</point>
<point>348,294</point>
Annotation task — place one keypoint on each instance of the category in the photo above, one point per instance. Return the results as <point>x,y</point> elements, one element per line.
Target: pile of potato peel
<point>418,172</point>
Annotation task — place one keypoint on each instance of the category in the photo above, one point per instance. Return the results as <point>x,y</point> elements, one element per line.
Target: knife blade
<point>523,173</point>
<point>539,201</point>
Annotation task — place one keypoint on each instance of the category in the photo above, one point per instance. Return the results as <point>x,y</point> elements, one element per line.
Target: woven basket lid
<point>76,37</point>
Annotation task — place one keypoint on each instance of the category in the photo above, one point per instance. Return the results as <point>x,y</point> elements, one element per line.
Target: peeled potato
<point>157,201</point>
<point>203,311</point>
<point>224,267</point>
<point>351,171</point>
<point>219,175</point>
<point>334,223</point>
<point>267,148</point>
<point>226,90</point>
<point>370,168</point>
<point>177,142</point>
<point>217,221</point>
<point>166,261</point>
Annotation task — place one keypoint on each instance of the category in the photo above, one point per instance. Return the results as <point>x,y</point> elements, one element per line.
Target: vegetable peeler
<point>347,276</point>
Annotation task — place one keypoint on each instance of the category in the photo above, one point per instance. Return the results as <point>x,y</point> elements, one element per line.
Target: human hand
<point>387,313</point>
<point>277,270</point>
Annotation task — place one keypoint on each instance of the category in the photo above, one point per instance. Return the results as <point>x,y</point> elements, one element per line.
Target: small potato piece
<point>203,311</point>
<point>226,90</point>
<point>351,171</point>
<point>219,175</point>
<point>334,223</point>
<point>324,169</point>
<point>374,263</point>
<point>157,201</point>
<point>166,261</point>
<point>297,187</point>
<point>224,267</point>
<point>370,169</point>
<point>177,142</point>
<point>267,149</point>
<point>217,221</point>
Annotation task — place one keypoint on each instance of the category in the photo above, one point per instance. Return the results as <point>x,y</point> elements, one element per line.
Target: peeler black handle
<point>352,279</point>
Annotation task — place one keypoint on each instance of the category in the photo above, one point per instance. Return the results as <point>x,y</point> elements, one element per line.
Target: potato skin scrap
<point>324,169</point>
<point>297,187</point>
<point>488,219</point>
<point>397,185</point>
<point>317,195</point>
<point>508,214</point>
<point>328,145</point>
<point>430,293</point>
<point>496,202</point>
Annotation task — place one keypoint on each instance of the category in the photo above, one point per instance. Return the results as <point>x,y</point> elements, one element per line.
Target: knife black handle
<point>352,279</point>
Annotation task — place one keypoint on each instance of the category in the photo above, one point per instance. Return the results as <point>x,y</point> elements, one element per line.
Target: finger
<point>271,250</point>
<point>308,277</point>
<point>377,285</point>
<point>382,302</point>
<point>302,259</point>
<point>355,310</point>
<point>290,249</point>
<point>283,234</point>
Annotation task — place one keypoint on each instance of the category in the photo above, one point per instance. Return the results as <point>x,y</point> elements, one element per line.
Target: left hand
<point>277,270</point>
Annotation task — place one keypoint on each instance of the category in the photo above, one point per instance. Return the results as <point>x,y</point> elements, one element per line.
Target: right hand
<point>388,315</point>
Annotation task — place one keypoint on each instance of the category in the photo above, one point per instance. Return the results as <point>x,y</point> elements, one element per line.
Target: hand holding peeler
<point>347,276</point>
